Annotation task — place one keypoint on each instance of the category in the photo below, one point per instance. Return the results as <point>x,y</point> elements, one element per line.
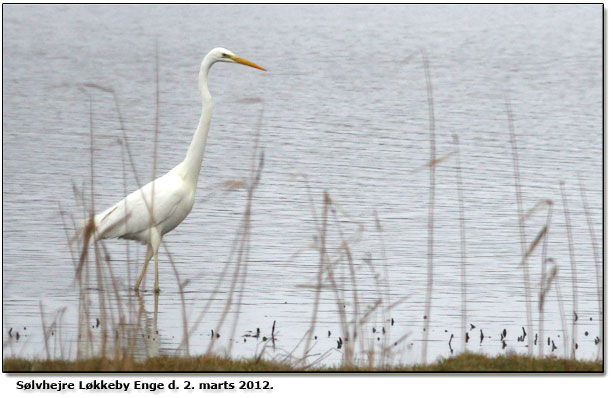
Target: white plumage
<point>157,208</point>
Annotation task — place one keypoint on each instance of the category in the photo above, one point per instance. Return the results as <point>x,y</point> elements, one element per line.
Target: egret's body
<point>130,218</point>
<point>157,208</point>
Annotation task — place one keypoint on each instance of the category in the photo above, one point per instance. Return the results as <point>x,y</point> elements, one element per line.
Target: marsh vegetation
<point>369,240</point>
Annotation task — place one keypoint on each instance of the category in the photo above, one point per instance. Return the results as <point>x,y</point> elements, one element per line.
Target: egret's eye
<point>224,54</point>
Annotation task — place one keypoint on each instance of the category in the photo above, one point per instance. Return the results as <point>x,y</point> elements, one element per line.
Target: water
<point>344,103</point>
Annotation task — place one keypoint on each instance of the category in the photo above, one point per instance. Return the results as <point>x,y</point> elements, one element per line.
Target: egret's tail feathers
<point>97,227</point>
<point>112,223</point>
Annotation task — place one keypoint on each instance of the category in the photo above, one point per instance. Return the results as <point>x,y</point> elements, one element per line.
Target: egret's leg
<point>157,278</point>
<point>155,311</point>
<point>156,240</point>
<point>144,270</point>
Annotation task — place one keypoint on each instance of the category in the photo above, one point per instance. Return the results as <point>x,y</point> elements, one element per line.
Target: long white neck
<point>190,167</point>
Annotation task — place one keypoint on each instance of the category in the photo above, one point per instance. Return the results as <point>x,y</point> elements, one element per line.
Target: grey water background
<point>344,103</point>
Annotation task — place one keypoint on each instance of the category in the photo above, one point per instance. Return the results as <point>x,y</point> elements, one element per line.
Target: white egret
<point>157,208</point>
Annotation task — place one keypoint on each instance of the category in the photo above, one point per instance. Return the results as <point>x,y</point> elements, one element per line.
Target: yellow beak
<point>245,62</point>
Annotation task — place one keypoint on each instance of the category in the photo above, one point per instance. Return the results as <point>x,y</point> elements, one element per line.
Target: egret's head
<point>221,54</point>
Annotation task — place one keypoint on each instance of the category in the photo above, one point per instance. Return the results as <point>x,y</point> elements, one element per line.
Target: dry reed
<point>462,220</point>
<point>431,199</point>
<point>333,263</point>
<point>573,269</point>
<point>597,262</point>
<point>520,216</point>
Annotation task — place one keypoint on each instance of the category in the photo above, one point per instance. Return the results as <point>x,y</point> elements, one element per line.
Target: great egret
<point>157,208</point>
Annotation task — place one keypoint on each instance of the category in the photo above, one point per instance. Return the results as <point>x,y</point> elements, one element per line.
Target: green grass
<point>461,363</point>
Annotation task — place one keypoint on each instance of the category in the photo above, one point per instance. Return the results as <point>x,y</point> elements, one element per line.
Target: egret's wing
<point>133,214</point>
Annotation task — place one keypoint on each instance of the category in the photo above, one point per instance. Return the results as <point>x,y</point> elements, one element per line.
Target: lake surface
<point>344,110</point>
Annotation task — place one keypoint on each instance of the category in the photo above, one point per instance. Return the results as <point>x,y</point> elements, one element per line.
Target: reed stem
<point>573,268</point>
<point>522,229</point>
<point>597,264</point>
<point>456,141</point>
<point>432,197</point>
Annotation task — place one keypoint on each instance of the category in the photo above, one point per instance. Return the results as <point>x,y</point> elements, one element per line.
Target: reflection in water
<point>137,337</point>
<point>147,343</point>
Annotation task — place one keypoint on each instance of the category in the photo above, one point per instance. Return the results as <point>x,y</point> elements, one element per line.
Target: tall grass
<point>573,269</point>
<point>597,263</point>
<point>340,276</point>
<point>128,330</point>
<point>239,275</point>
<point>322,234</point>
<point>546,279</point>
<point>462,219</point>
<point>431,199</point>
<point>522,228</point>
<point>122,321</point>
<point>110,305</point>
<point>562,312</point>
